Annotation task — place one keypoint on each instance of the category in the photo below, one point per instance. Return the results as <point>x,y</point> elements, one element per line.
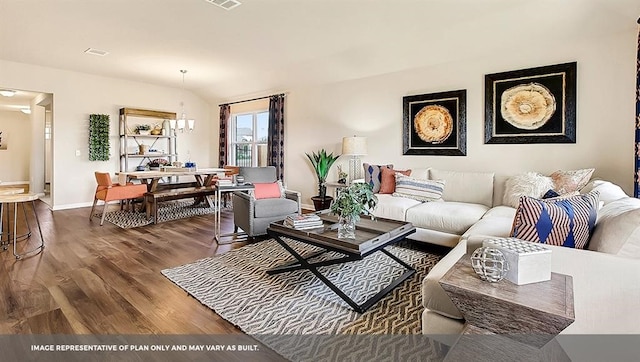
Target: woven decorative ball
<point>490,264</point>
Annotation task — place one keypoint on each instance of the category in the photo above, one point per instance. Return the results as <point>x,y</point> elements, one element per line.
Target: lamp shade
<point>355,146</point>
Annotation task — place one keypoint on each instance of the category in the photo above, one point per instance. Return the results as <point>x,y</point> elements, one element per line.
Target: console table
<point>529,315</point>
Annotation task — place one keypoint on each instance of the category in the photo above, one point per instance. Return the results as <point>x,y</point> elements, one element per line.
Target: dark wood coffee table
<point>372,235</point>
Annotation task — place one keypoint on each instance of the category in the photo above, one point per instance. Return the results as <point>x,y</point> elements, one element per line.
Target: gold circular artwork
<point>433,124</point>
<point>527,106</point>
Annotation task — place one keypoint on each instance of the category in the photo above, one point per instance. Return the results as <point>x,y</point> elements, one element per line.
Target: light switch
<point>77,153</point>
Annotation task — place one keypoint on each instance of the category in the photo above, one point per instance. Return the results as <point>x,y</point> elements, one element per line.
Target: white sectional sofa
<point>467,197</point>
<point>606,276</point>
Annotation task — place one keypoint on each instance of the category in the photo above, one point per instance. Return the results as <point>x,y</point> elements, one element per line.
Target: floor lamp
<point>354,147</point>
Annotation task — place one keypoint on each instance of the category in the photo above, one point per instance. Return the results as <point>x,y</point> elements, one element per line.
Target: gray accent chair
<point>254,216</point>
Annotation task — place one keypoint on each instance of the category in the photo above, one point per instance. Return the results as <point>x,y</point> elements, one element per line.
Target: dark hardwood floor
<point>93,279</point>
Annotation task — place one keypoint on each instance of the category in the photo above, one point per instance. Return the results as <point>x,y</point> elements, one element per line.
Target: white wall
<point>75,96</point>
<point>36,165</point>
<point>318,117</point>
<point>14,161</point>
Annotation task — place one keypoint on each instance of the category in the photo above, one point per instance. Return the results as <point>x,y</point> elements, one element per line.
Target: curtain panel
<point>636,176</point>
<point>275,143</point>
<point>225,114</point>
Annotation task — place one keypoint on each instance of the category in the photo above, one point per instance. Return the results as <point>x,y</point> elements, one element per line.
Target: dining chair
<point>108,191</point>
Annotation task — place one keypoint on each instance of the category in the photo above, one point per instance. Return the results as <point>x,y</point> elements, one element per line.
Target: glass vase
<point>346,227</point>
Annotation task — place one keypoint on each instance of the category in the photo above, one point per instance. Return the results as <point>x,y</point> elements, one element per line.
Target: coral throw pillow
<point>267,190</point>
<point>373,175</point>
<point>388,180</point>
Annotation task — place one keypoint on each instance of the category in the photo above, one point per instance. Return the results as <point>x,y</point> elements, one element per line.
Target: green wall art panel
<point>99,137</point>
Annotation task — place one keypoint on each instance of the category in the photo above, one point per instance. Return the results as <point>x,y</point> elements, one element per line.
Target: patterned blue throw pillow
<point>566,222</point>
<point>373,175</point>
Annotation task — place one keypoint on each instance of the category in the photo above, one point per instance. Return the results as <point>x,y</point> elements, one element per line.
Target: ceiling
<point>265,46</point>
<point>21,100</point>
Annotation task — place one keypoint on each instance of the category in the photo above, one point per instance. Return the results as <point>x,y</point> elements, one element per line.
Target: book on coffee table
<point>303,222</point>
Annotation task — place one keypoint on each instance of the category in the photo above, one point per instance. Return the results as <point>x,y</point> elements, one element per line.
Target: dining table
<point>204,177</point>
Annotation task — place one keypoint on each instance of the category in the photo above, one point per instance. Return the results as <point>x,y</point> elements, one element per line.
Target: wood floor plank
<point>73,315</point>
<point>52,322</point>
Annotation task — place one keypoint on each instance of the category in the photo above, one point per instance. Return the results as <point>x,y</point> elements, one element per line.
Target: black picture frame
<point>452,104</point>
<point>557,126</point>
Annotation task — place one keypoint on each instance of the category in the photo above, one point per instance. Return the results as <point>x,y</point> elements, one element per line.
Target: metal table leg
<point>15,200</point>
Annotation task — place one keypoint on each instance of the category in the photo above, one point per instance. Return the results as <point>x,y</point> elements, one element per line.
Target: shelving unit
<point>129,119</point>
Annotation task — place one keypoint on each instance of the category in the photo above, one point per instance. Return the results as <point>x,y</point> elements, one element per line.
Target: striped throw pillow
<point>418,189</point>
<point>565,221</point>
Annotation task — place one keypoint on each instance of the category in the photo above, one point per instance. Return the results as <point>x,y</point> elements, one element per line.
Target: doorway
<point>26,121</point>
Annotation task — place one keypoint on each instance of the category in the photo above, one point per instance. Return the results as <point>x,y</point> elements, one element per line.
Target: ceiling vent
<point>98,52</point>
<point>225,4</point>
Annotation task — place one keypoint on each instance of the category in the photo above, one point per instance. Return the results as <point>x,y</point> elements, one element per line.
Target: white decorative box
<point>528,262</point>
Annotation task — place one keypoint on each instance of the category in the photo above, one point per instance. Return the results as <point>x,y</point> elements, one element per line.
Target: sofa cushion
<point>490,227</point>
<point>530,184</point>
<point>608,191</point>
<point>393,207</point>
<point>471,187</point>
<point>417,189</point>
<point>373,175</point>
<point>451,217</point>
<point>388,180</point>
<point>617,229</point>
<point>501,211</point>
<point>274,207</point>
<point>420,172</point>
<point>566,222</point>
<point>569,181</point>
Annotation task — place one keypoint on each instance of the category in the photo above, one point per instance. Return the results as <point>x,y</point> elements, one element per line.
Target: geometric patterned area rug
<point>169,210</point>
<point>236,287</point>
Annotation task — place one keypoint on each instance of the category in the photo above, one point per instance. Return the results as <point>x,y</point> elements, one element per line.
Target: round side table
<point>10,191</point>
<point>21,199</point>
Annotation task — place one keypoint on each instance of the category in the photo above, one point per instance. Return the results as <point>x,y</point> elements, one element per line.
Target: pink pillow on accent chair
<point>269,190</point>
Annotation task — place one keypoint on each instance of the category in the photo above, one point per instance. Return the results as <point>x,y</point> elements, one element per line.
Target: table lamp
<point>355,147</point>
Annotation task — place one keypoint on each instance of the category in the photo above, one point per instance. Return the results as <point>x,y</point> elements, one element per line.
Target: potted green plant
<point>351,202</point>
<point>143,129</point>
<point>321,163</point>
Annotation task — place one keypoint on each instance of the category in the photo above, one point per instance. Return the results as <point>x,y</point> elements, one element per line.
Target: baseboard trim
<point>72,206</point>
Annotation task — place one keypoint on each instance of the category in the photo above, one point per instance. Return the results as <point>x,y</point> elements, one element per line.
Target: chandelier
<point>182,122</point>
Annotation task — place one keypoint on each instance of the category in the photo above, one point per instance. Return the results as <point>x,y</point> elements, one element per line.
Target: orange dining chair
<point>230,170</point>
<point>108,191</point>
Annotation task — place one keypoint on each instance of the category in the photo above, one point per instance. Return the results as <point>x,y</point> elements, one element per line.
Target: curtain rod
<point>252,99</point>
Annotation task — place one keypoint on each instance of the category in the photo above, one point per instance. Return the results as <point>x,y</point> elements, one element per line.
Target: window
<point>249,134</point>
